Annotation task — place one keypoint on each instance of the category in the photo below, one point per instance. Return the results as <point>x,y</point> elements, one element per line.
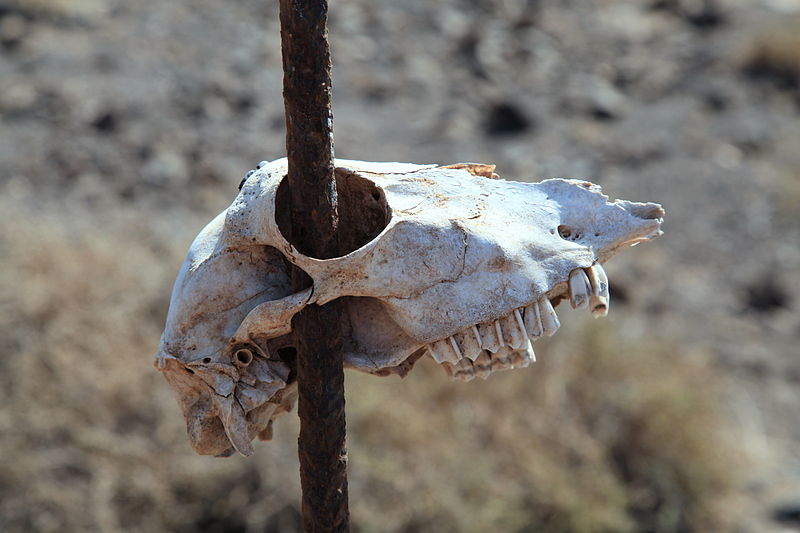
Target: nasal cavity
<point>362,208</point>
<point>569,233</point>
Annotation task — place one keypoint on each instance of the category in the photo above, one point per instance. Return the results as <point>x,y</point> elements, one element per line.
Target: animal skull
<point>447,261</point>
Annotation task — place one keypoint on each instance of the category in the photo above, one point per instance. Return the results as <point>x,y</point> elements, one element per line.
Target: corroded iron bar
<point>314,225</point>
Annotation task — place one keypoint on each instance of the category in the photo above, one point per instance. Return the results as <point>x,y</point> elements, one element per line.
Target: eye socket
<point>243,356</point>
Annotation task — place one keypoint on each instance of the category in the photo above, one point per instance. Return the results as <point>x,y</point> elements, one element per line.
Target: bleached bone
<point>446,260</point>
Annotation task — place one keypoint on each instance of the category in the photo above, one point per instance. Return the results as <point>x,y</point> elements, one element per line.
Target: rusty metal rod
<point>314,226</point>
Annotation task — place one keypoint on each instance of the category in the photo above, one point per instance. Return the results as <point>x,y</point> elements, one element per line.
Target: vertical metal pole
<point>314,221</point>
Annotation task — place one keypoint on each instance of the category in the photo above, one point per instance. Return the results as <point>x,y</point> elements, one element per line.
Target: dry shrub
<point>91,437</point>
<point>598,436</point>
<point>772,52</point>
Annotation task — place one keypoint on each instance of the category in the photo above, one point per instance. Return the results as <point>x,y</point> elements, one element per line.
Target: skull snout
<point>645,211</point>
<point>646,219</point>
<point>648,211</point>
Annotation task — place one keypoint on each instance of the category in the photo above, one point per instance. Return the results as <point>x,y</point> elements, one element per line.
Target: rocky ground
<point>125,125</point>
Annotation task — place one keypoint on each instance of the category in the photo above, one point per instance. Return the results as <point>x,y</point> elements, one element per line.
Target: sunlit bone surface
<point>444,261</point>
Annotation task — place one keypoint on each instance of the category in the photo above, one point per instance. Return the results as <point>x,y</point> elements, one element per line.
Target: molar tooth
<point>520,321</point>
<point>488,335</point>
<point>499,332</point>
<point>550,322</point>
<point>530,353</point>
<point>443,352</point>
<point>599,300</point>
<point>469,341</point>
<point>483,365</point>
<point>500,359</point>
<point>519,359</point>
<point>455,347</point>
<point>513,330</point>
<point>477,334</point>
<point>579,288</point>
<point>465,370</point>
<point>533,322</point>
<point>432,352</point>
<point>465,365</point>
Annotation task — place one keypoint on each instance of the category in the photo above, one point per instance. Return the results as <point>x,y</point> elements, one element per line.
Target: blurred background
<point>125,126</point>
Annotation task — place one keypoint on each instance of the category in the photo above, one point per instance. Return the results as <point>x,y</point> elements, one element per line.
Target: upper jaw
<point>506,343</point>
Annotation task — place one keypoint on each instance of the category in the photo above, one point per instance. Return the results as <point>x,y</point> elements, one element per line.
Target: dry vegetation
<point>600,435</point>
<point>124,126</point>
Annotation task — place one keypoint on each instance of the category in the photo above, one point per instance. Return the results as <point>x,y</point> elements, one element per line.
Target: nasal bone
<point>645,211</point>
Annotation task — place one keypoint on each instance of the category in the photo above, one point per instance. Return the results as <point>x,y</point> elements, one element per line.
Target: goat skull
<point>445,261</point>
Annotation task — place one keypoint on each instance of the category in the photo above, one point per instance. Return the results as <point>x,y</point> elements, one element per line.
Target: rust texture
<point>314,220</point>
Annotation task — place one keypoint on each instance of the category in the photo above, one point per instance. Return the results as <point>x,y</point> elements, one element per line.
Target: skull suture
<point>446,261</point>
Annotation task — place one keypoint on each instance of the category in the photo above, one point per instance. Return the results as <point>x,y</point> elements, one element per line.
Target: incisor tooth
<point>550,322</point>
<point>600,299</point>
<point>513,330</point>
<point>442,352</point>
<point>533,323</point>
<point>579,288</point>
<point>489,339</point>
<point>469,342</point>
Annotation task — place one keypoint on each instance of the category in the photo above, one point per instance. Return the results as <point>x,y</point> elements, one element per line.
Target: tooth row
<point>589,288</point>
<point>540,319</point>
<point>505,343</point>
<point>487,363</point>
